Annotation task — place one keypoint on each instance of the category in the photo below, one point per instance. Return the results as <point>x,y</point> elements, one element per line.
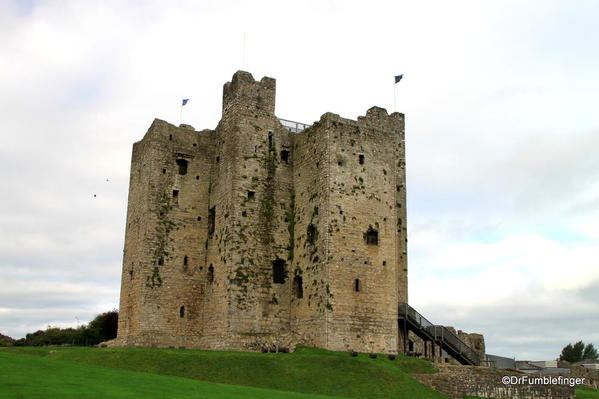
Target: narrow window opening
<point>210,274</point>
<point>182,311</point>
<point>170,136</point>
<point>372,236</point>
<point>244,213</point>
<point>384,263</point>
<point>312,234</point>
<point>163,171</point>
<point>298,287</point>
<point>285,156</point>
<point>271,144</point>
<point>185,260</point>
<point>211,220</point>
<point>131,274</point>
<point>199,218</point>
<point>160,261</point>
<point>357,285</point>
<point>175,193</point>
<point>217,159</point>
<point>410,346</point>
<point>195,144</point>
<point>251,194</point>
<point>197,177</point>
<point>182,163</point>
<point>361,159</point>
<point>278,271</point>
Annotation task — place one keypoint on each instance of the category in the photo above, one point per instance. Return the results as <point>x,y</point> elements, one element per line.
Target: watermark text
<point>541,380</point>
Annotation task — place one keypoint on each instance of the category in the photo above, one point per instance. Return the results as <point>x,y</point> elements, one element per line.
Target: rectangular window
<point>211,220</point>
<point>278,271</point>
<point>182,164</point>
<point>298,287</point>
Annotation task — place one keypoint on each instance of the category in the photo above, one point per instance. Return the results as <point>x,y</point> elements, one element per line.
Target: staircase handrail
<point>439,333</point>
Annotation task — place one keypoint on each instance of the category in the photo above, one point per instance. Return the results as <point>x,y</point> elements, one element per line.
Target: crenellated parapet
<point>245,95</point>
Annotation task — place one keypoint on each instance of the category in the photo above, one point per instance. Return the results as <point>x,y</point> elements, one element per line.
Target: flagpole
<point>396,80</point>
<point>243,53</point>
<point>181,115</point>
<point>394,98</point>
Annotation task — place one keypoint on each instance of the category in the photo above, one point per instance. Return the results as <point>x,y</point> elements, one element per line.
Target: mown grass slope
<point>586,393</point>
<point>28,377</point>
<point>309,371</point>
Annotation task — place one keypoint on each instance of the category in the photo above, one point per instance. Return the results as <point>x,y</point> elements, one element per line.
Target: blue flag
<point>185,100</point>
<point>398,78</point>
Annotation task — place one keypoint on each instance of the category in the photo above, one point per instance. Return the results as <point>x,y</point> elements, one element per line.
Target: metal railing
<point>441,335</point>
<point>292,126</point>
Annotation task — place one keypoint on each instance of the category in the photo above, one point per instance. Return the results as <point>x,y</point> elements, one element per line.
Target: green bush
<point>102,328</point>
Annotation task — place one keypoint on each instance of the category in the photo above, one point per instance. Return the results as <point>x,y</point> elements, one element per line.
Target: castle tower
<point>252,235</point>
<point>162,280</point>
<point>250,200</point>
<point>350,231</point>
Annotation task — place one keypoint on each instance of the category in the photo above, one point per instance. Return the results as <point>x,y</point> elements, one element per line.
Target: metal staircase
<point>413,321</point>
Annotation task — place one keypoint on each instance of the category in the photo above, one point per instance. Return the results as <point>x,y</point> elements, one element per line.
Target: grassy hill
<point>586,393</point>
<point>312,372</point>
<point>77,372</point>
<point>28,377</point>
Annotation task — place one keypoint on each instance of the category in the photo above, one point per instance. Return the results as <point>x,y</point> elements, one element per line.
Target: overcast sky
<point>502,137</point>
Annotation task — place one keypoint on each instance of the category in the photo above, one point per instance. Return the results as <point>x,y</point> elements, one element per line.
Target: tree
<point>590,353</point>
<point>103,327</point>
<point>577,352</point>
<point>566,353</point>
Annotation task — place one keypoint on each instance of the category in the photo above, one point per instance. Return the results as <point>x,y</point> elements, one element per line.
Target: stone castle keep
<point>258,234</point>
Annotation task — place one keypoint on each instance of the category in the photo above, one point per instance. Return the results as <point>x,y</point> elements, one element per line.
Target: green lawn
<point>586,393</point>
<point>36,377</point>
<point>143,372</point>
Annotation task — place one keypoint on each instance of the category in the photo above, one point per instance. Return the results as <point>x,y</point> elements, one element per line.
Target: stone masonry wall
<point>459,381</point>
<point>364,272</point>
<point>161,265</point>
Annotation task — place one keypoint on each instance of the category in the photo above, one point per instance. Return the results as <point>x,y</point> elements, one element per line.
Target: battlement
<point>244,94</point>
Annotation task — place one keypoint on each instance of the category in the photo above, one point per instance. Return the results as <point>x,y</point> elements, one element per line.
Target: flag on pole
<point>398,78</point>
<point>185,100</point>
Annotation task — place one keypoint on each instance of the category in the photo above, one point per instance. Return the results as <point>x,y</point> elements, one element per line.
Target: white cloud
<point>501,137</point>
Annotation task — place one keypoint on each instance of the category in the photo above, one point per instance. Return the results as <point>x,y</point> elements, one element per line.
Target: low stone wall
<point>459,381</point>
<point>591,377</point>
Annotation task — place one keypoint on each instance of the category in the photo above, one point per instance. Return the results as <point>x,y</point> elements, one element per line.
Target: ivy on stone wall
<point>290,216</point>
<point>267,203</point>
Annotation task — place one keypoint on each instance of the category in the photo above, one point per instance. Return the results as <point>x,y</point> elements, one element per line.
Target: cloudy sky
<point>502,142</point>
